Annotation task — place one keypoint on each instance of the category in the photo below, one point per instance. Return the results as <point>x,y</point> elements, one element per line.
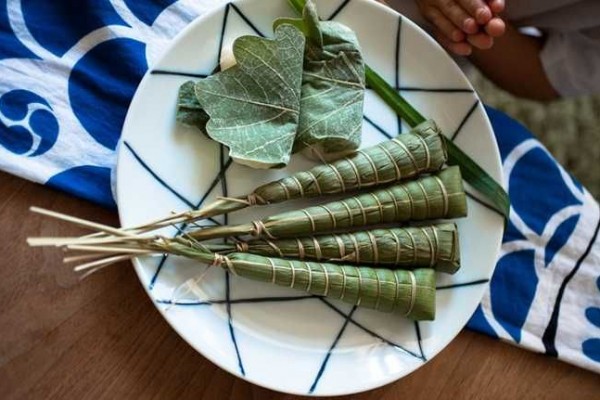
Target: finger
<point>496,27</point>
<point>458,48</point>
<point>444,25</point>
<point>458,16</point>
<point>478,9</point>
<point>481,41</point>
<point>497,6</point>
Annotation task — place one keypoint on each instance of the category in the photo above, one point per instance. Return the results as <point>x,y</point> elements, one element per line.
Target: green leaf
<point>471,171</point>
<point>393,99</point>
<point>297,5</point>
<point>478,178</point>
<point>309,24</point>
<point>189,110</point>
<point>254,106</point>
<point>333,86</point>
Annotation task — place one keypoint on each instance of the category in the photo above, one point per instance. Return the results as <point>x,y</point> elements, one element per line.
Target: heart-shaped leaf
<point>254,106</point>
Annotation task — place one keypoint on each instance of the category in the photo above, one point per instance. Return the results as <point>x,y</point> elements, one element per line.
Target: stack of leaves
<point>283,94</point>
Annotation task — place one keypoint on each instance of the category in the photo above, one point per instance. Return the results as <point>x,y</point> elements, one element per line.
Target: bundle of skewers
<point>359,249</point>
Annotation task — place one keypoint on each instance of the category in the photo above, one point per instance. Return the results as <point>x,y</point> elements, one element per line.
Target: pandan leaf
<point>254,106</point>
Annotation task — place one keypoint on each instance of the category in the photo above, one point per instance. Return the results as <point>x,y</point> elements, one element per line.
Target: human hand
<point>461,25</point>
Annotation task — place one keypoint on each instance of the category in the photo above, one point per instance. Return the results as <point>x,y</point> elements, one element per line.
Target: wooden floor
<point>103,338</point>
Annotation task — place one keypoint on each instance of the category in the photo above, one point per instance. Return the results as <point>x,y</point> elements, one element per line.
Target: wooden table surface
<point>103,338</point>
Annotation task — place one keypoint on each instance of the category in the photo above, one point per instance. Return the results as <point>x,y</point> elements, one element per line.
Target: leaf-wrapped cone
<point>430,197</point>
<point>421,150</point>
<point>409,293</point>
<point>433,246</point>
<point>410,154</point>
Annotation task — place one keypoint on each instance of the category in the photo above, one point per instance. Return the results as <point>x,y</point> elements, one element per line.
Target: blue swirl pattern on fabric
<point>559,238</point>
<point>102,84</point>
<point>512,289</point>
<point>59,25</point>
<point>537,166</point>
<point>147,12</point>
<point>480,324</point>
<point>591,347</point>
<point>27,124</point>
<point>14,104</point>
<point>88,182</point>
<point>11,47</point>
<point>547,207</point>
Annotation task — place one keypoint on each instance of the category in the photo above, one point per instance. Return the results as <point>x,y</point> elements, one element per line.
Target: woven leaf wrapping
<point>410,154</point>
<point>410,293</point>
<point>431,197</point>
<point>433,246</point>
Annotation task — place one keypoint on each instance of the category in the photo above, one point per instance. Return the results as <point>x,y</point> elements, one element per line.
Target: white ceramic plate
<point>277,337</point>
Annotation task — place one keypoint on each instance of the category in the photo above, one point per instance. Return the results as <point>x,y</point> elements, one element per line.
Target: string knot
<point>260,229</point>
<point>242,247</point>
<point>220,259</point>
<point>253,199</point>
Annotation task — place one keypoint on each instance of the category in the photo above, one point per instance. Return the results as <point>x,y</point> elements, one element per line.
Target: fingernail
<point>457,36</point>
<point>469,25</point>
<point>498,5</point>
<point>482,15</point>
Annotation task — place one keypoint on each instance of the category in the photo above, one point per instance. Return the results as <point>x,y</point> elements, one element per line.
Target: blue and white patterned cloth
<point>69,69</point>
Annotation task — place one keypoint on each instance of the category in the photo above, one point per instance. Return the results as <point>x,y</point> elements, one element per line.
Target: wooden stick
<point>83,257</point>
<point>109,249</point>
<point>148,226</point>
<point>66,241</point>
<point>79,221</point>
<point>103,262</point>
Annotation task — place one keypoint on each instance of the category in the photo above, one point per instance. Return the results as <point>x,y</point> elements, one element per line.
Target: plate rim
<point>192,25</point>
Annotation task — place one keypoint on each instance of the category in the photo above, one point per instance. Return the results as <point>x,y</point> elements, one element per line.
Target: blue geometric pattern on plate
<point>220,181</point>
